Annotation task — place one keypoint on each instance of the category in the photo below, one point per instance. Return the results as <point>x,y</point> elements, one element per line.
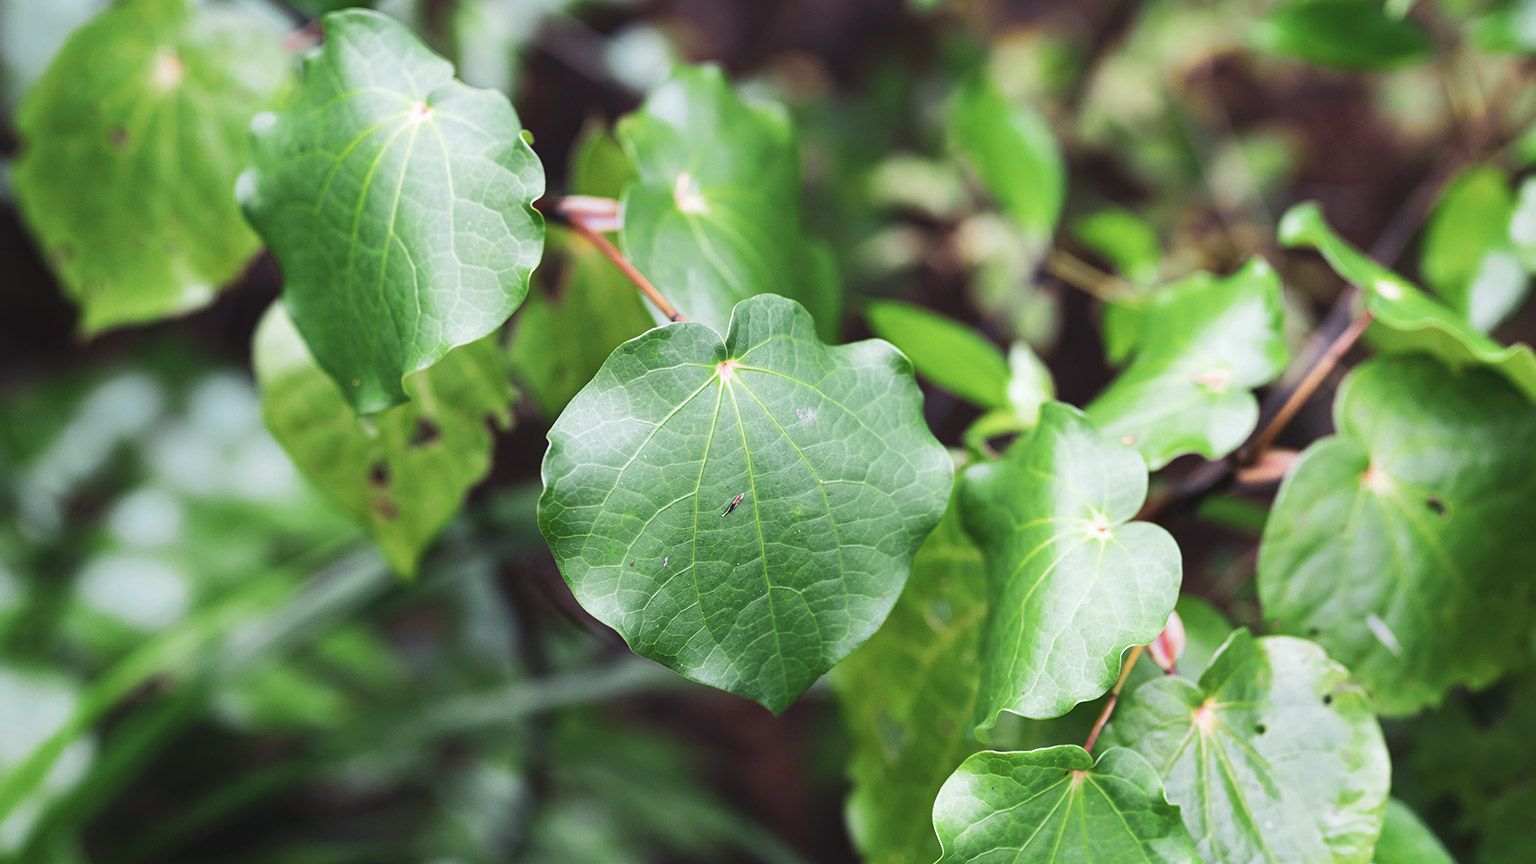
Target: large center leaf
<point>1206,343</point>
<point>1407,320</point>
<point>1071,586</point>
<point>401,473</point>
<point>715,216</point>
<point>133,139</point>
<point>745,510</point>
<point>399,203</point>
<point>1272,757</point>
<point>1058,805</point>
<point>1404,544</point>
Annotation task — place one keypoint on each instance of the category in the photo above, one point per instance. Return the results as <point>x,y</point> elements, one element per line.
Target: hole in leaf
<point>1436,505</point>
<point>426,433</point>
<point>1327,698</point>
<point>378,476</point>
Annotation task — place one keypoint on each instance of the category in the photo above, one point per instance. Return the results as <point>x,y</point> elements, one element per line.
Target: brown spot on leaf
<point>426,433</point>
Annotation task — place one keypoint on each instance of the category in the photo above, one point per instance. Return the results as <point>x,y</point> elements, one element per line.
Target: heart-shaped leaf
<point>745,510</point>
<point>1274,756</point>
<point>399,203</point>
<point>1402,544</point>
<point>1407,320</point>
<point>132,142</point>
<point>1206,343</point>
<point>1072,587</point>
<point>715,216</point>
<point>1058,805</point>
<point>402,473</point>
<point>906,709</point>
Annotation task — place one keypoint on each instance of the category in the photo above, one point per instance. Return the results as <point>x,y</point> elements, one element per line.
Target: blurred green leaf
<point>943,350</point>
<point>1406,319</point>
<point>1343,34</point>
<point>813,482</point>
<point>1273,756</point>
<point>1050,517</point>
<point>907,711</point>
<point>715,217</point>
<point>1406,840</point>
<point>133,138</point>
<point>1207,342</point>
<point>1396,543</point>
<point>402,473</point>
<point>399,203</point>
<point>1014,153</point>
<point>37,703</point>
<point>1059,805</point>
<point>1030,384</point>
<point>1467,256</point>
<point>1125,240</point>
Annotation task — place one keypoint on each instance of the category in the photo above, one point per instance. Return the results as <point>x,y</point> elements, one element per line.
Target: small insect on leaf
<point>733,504</point>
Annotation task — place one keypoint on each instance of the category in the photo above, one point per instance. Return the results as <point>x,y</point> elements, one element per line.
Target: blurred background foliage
<point>202,661</point>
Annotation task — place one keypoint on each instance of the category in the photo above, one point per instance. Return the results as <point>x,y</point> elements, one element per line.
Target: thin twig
<point>1114,696</point>
<point>557,212</point>
<point>1084,276</point>
<point>1304,388</point>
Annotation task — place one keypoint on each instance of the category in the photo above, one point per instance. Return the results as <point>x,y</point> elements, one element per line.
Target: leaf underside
<point>133,139</point>
<point>399,203</point>
<point>743,511</point>
<point>404,472</point>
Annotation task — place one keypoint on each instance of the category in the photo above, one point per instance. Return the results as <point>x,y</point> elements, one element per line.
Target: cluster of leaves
<point>751,504</point>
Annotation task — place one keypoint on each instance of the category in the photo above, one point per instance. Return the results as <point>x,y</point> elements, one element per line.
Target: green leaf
<point>399,203</point>
<point>1207,342</point>
<point>906,710</point>
<point>1406,840</point>
<point>1071,586</point>
<point>1274,756</point>
<point>743,511</point>
<point>1014,153</point>
<point>1397,544</point>
<point>943,350</point>
<point>1466,256</point>
<point>1343,34</point>
<point>402,473</point>
<point>1058,805</point>
<point>1030,384</point>
<point>1406,319</point>
<point>715,216</point>
<point>560,342</point>
<point>1123,239</point>
<point>132,141</point>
